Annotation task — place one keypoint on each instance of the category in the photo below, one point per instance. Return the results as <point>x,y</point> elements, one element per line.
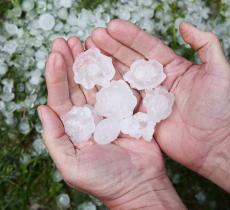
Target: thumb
<point>206,44</point>
<point>57,142</point>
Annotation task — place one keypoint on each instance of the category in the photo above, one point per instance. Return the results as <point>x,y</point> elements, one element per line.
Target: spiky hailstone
<point>107,131</point>
<point>79,124</point>
<point>116,100</point>
<point>137,126</point>
<point>93,68</point>
<point>145,74</point>
<point>158,103</point>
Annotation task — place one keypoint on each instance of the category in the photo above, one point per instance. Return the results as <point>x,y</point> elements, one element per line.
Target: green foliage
<point>15,3</point>
<point>4,6</point>
<point>189,184</point>
<point>92,4</point>
<point>23,186</point>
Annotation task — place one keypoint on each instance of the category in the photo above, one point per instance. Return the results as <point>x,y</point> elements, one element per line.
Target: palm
<point>114,169</point>
<point>102,170</point>
<point>201,115</point>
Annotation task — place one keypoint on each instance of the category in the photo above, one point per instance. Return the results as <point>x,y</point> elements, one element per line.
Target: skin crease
<point>121,174</point>
<point>197,134</point>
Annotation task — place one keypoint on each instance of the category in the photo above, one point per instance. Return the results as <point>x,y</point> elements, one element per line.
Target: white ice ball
<point>27,5</point>
<point>107,131</point>
<point>145,74</point>
<point>93,68</point>
<point>63,201</point>
<point>3,68</point>
<point>116,100</point>
<point>66,3</point>
<point>39,146</point>
<point>79,124</point>
<point>46,22</point>
<point>138,126</point>
<point>11,29</point>
<point>158,103</point>
<point>87,206</point>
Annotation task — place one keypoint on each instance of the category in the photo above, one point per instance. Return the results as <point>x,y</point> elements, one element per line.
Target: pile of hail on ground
<point>116,104</point>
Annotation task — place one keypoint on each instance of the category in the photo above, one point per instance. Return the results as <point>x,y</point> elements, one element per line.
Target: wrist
<point>216,167</point>
<point>157,193</point>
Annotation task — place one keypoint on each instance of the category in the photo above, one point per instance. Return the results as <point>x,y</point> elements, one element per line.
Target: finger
<point>61,46</point>
<point>58,144</point>
<point>205,43</point>
<point>140,41</point>
<point>150,47</point>
<point>75,46</point>
<point>57,84</point>
<point>90,44</point>
<point>77,96</point>
<point>119,51</point>
<point>120,67</point>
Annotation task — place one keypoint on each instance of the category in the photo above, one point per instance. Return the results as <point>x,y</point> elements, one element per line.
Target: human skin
<point>197,134</point>
<point>121,174</point>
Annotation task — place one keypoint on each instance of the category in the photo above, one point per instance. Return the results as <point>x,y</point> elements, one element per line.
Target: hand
<point>197,134</point>
<point>127,174</point>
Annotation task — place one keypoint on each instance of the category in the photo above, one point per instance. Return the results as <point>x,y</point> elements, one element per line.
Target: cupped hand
<point>127,173</point>
<point>197,134</point>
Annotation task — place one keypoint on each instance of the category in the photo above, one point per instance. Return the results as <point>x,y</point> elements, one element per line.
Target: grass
<point>89,4</point>
<point>4,6</point>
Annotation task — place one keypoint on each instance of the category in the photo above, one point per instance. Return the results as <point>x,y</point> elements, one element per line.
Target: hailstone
<point>79,124</point>
<point>66,3</point>
<point>107,130</point>
<point>97,118</point>
<point>158,103</point>
<point>116,100</point>
<point>137,126</point>
<point>93,68</point>
<point>46,22</point>
<point>145,74</point>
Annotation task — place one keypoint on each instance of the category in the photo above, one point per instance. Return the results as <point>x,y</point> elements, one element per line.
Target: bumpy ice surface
<point>93,68</point>
<point>116,100</point>
<point>107,131</point>
<point>79,124</point>
<point>137,126</point>
<point>158,103</point>
<point>145,74</point>
<point>96,117</point>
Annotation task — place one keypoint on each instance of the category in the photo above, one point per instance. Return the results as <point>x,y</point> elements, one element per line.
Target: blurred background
<point>28,178</point>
